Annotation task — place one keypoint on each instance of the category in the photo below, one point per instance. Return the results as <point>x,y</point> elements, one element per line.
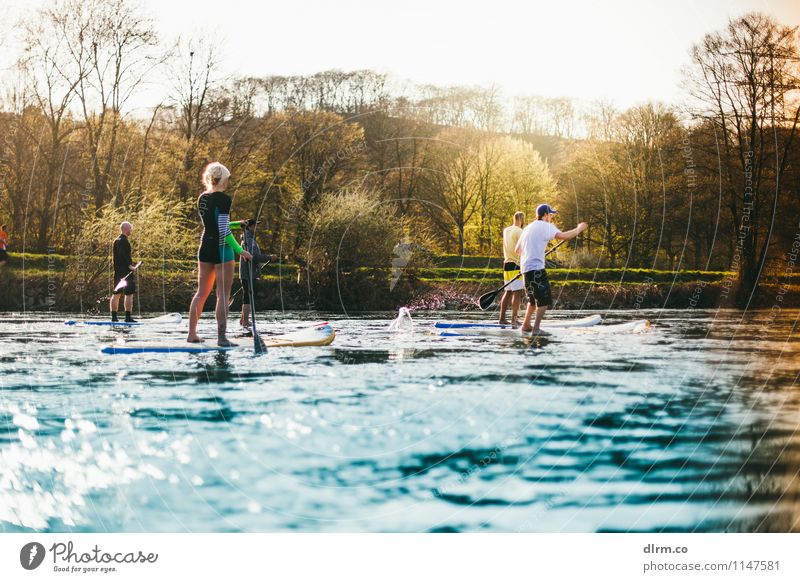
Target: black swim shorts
<point>537,287</point>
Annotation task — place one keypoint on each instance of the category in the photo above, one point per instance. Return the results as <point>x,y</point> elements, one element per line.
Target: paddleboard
<point>169,319</point>
<point>636,326</point>
<point>477,328</point>
<point>318,335</point>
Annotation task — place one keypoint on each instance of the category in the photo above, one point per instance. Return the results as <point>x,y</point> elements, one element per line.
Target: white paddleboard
<point>478,328</point>
<point>636,326</point>
<point>319,335</point>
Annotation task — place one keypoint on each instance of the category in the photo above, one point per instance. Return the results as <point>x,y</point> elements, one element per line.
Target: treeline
<point>443,168</point>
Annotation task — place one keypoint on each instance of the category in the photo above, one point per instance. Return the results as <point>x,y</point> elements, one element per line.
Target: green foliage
<point>476,183</point>
<point>354,242</point>
<point>161,232</point>
<point>446,168</point>
<point>583,258</point>
<point>595,275</point>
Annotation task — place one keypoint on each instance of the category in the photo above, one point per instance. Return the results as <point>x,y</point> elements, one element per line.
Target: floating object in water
<point>403,322</point>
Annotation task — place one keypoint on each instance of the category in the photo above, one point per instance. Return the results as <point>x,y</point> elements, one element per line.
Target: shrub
<point>584,259</point>
<point>354,238</point>
<point>162,236</point>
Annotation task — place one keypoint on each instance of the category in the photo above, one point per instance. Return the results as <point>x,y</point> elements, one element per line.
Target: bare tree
<point>745,79</point>
<point>537,115</point>
<point>48,71</point>
<point>199,97</point>
<point>112,47</point>
<point>451,182</point>
<point>526,115</point>
<point>398,148</point>
<point>599,120</point>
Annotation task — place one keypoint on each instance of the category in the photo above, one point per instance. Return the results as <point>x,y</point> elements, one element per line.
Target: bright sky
<point>626,50</point>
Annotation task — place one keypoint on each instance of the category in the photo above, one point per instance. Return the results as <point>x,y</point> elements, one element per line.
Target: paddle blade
<point>121,285</point>
<point>485,301</point>
<point>258,346</point>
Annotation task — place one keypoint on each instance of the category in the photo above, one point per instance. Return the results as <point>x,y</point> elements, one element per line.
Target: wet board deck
<point>318,335</point>
<point>478,328</point>
<point>636,326</point>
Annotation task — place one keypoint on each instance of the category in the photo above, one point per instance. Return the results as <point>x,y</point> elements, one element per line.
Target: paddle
<point>124,281</point>
<point>258,346</point>
<point>486,300</point>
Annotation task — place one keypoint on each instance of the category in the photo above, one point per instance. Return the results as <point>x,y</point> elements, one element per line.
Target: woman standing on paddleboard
<point>218,249</point>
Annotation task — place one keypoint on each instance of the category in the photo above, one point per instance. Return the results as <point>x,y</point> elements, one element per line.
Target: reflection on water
<point>692,427</point>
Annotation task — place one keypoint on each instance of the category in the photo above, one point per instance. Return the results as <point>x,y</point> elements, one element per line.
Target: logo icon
<point>31,555</point>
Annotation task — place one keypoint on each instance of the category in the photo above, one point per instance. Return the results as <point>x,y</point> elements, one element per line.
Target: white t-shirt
<point>532,242</point>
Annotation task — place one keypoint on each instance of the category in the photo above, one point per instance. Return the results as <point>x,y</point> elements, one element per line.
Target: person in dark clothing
<point>215,257</point>
<point>250,244</point>
<point>123,266</point>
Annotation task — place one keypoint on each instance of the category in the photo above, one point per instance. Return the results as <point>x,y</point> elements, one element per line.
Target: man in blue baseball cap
<point>531,246</point>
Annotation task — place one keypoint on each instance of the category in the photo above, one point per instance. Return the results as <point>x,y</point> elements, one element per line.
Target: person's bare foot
<point>540,331</point>
<point>226,343</point>
<point>503,322</point>
<point>526,330</point>
<point>195,339</point>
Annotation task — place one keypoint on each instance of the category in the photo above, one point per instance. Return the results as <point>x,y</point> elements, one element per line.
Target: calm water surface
<point>692,427</point>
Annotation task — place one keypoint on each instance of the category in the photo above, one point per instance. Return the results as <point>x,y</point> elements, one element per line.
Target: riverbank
<point>604,296</point>
<point>57,283</point>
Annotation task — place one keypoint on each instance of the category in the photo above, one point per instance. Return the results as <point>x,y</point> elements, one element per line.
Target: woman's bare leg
<point>205,281</point>
<point>224,284</point>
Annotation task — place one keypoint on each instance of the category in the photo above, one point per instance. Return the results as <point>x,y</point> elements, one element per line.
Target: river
<point>690,427</point>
